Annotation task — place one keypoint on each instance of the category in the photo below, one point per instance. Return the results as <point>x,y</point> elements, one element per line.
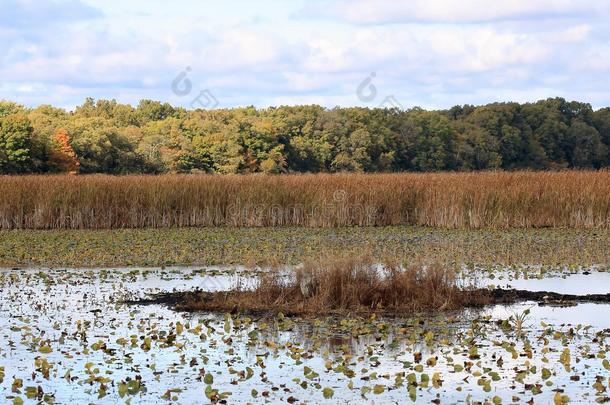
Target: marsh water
<point>68,338</point>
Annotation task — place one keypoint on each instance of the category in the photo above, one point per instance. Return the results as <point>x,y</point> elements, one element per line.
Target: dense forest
<point>108,137</point>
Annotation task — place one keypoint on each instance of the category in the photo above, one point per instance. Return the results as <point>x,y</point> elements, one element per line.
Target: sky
<point>217,54</point>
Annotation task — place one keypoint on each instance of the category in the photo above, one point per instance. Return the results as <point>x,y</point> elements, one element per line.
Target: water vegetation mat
<point>250,246</point>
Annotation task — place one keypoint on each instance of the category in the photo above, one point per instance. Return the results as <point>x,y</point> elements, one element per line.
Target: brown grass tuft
<point>345,285</point>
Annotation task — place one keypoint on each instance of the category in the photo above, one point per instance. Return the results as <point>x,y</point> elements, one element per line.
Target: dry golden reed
<point>342,285</point>
<point>575,199</point>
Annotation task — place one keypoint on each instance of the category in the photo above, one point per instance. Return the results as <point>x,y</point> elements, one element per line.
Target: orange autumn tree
<point>63,157</point>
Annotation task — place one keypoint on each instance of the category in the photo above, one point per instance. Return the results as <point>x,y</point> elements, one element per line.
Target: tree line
<point>104,136</point>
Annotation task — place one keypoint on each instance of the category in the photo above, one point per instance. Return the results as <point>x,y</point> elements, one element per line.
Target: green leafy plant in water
<point>518,320</point>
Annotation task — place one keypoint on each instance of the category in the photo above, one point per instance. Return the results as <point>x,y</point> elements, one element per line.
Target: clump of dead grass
<point>350,285</point>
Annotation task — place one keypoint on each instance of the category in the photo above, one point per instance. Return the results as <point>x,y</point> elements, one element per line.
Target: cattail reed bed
<point>575,199</point>
<point>340,286</point>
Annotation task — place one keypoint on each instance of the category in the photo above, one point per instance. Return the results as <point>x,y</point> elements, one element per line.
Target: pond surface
<point>66,338</point>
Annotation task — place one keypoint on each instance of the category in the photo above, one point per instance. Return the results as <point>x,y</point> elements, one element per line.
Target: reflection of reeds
<point>579,199</point>
<point>346,285</point>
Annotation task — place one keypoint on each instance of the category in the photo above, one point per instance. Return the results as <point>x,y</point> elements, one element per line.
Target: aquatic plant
<point>576,199</point>
<point>517,320</point>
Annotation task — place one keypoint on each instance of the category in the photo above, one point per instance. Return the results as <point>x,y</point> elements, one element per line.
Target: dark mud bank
<point>196,300</point>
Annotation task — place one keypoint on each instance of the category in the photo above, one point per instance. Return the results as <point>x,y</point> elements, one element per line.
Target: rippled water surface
<point>66,338</point>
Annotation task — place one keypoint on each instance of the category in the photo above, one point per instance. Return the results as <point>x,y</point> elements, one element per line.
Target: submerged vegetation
<point>574,199</point>
<point>490,248</point>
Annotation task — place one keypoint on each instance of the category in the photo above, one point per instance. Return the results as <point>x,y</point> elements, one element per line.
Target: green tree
<point>15,143</point>
<point>101,148</point>
<point>586,146</point>
<point>154,137</point>
<point>601,120</point>
<point>149,110</point>
<point>479,150</point>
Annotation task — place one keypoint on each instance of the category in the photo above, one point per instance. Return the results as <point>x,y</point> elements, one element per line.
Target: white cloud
<point>451,11</point>
<point>42,13</point>
<point>247,60</point>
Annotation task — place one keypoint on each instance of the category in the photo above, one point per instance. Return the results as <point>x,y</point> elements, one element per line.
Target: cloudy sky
<point>429,53</point>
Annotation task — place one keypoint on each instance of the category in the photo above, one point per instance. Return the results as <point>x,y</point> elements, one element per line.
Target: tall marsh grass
<point>576,199</point>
